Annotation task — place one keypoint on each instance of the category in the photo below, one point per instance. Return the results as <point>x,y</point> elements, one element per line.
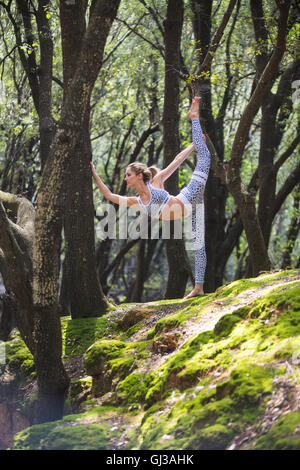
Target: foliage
<point>128,99</point>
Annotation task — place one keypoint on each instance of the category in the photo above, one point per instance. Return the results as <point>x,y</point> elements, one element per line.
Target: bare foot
<point>196,292</point>
<point>194,109</point>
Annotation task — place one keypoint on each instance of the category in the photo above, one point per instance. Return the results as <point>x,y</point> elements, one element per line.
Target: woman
<point>157,202</point>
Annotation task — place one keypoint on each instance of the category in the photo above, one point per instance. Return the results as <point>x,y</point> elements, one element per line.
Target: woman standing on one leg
<point>157,202</point>
<point>193,194</point>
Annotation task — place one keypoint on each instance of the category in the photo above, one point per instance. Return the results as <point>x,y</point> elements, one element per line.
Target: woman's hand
<point>94,171</point>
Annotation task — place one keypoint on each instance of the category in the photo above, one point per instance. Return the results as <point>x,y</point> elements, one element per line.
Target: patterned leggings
<point>192,196</point>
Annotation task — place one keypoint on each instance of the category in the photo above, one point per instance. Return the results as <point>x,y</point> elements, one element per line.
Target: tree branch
<point>292,180</point>
<point>283,158</point>
<point>159,47</point>
<point>206,64</point>
<point>121,41</point>
<point>118,258</point>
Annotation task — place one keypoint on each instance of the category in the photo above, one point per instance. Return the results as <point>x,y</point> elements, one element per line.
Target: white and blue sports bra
<point>159,198</point>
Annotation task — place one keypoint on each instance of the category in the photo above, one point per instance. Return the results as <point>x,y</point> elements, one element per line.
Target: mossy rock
<point>80,333</point>
<point>79,391</point>
<point>74,432</point>
<point>283,435</point>
<point>19,358</point>
<point>99,353</point>
<point>202,395</point>
<point>248,383</point>
<point>226,324</point>
<point>133,388</point>
<point>31,438</point>
<point>78,437</point>
<point>214,437</point>
<point>111,361</point>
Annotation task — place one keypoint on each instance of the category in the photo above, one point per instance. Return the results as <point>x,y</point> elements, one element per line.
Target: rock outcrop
<point>214,372</point>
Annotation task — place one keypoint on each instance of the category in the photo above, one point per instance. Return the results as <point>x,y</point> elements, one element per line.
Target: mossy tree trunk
<point>176,254</point>
<point>48,223</point>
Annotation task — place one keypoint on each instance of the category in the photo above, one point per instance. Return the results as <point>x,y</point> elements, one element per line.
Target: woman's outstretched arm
<point>178,160</point>
<point>115,198</point>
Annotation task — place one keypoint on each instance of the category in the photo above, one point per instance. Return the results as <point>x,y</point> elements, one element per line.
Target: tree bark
<point>83,295</point>
<point>137,289</point>
<point>176,254</point>
<point>46,121</point>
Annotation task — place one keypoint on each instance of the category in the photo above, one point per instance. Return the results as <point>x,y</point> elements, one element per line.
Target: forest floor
<point>216,372</point>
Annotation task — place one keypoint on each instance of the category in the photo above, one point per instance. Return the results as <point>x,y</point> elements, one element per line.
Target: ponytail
<point>154,170</point>
<point>148,173</point>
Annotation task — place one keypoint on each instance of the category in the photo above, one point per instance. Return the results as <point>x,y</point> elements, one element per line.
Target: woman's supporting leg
<point>198,245</point>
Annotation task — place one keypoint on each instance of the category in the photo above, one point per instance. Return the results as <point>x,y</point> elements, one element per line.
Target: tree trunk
<point>246,204</point>
<point>83,294</point>
<point>137,289</point>
<point>176,254</point>
<point>46,121</point>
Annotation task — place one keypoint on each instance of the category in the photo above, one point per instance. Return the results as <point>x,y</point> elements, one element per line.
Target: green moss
<point>79,437</point>
<point>172,321</point>
<point>226,324</point>
<point>77,431</point>
<point>248,383</point>
<point>79,391</point>
<point>203,394</point>
<point>99,353</point>
<point>235,288</point>
<point>197,420</point>
<point>61,436</point>
<point>134,387</point>
<point>283,435</point>
<point>31,438</point>
<point>215,437</point>
<point>19,358</point>
<point>167,324</point>
<point>79,334</point>
<point>168,375</point>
